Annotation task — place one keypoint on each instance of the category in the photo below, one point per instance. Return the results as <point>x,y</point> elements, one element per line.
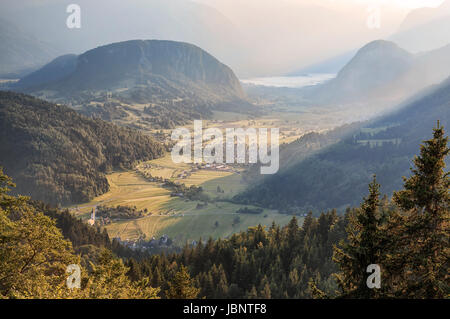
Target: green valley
<point>181,219</point>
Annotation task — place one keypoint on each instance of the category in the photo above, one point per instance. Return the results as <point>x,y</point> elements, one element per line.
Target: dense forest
<point>259,263</point>
<point>58,156</point>
<point>327,257</point>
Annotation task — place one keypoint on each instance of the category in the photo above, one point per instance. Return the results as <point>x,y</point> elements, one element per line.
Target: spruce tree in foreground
<point>411,243</point>
<point>363,247</point>
<point>419,262</point>
<point>182,286</point>
<point>33,252</point>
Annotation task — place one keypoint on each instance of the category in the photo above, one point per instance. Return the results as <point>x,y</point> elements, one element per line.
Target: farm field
<point>182,220</point>
<point>292,123</point>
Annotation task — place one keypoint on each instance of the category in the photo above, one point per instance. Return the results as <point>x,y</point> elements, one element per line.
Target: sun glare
<point>406,3</point>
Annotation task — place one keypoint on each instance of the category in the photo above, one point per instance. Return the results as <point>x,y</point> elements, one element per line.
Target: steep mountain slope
<point>418,39</point>
<point>429,68</point>
<point>165,64</point>
<point>374,65</point>
<point>178,20</point>
<point>424,29</point>
<point>330,65</point>
<point>382,71</point>
<point>56,70</point>
<point>58,156</point>
<point>421,16</point>
<point>175,81</point>
<point>338,175</point>
<point>20,52</point>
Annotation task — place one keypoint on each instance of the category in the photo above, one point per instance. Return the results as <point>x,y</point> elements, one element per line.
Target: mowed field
<point>182,220</point>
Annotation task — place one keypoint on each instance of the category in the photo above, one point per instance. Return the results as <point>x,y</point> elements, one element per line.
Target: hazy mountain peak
<point>138,62</point>
<point>171,59</point>
<point>422,16</point>
<point>425,29</point>
<point>376,64</point>
<point>57,69</point>
<point>378,56</point>
<point>379,44</point>
<point>20,51</point>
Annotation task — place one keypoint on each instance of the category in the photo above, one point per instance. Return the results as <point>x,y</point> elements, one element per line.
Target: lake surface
<point>290,81</point>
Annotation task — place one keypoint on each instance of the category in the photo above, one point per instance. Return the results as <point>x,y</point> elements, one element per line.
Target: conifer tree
<point>362,249</point>
<point>33,252</point>
<point>109,280</point>
<point>421,249</point>
<point>182,286</point>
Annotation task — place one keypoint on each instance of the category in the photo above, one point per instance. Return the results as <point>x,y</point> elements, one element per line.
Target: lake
<point>290,81</point>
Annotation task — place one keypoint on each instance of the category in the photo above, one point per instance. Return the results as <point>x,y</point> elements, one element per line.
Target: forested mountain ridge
<point>384,147</point>
<point>53,71</point>
<point>161,83</point>
<point>59,156</point>
<point>156,62</point>
<point>302,148</point>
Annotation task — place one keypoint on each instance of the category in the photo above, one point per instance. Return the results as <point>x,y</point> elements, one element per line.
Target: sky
<point>289,34</point>
<point>254,37</point>
<point>409,4</point>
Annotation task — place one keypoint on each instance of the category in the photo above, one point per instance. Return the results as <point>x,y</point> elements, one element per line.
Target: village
<point>196,167</point>
<point>162,243</point>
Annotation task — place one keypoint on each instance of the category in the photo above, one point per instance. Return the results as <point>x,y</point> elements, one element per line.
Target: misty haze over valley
<point>120,122</point>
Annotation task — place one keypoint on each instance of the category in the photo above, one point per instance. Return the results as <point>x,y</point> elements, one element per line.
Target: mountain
<point>178,20</point>
<point>421,16</point>
<point>56,155</point>
<point>20,52</point>
<point>165,65</point>
<point>178,81</point>
<point>429,68</point>
<point>56,70</point>
<point>337,176</point>
<point>383,72</point>
<point>271,37</point>
<point>424,29</point>
<point>418,39</point>
<point>373,67</point>
<point>331,65</point>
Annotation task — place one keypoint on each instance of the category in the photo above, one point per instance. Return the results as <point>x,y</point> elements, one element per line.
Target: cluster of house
<point>103,221</point>
<point>174,194</point>
<point>184,174</point>
<point>216,166</point>
<point>141,244</point>
<point>213,166</point>
<point>98,220</point>
<point>194,168</point>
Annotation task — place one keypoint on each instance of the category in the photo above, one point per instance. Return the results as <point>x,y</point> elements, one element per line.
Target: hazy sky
<point>399,3</point>
<point>254,37</point>
<point>303,32</point>
<point>394,3</point>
